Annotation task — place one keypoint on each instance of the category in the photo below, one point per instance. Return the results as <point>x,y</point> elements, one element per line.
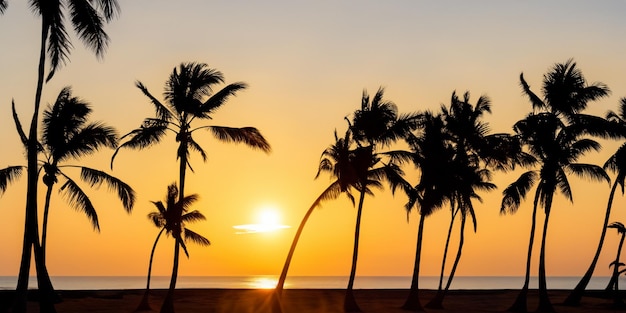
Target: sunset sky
<point>307,63</point>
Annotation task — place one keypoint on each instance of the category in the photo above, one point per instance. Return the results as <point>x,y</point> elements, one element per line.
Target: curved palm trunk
<point>349,303</point>
<point>294,243</point>
<point>438,300</point>
<point>31,229</point>
<point>576,294</point>
<point>544,300</point>
<point>168,303</point>
<point>44,226</point>
<point>614,286</point>
<point>145,303</point>
<point>435,302</point>
<point>412,302</point>
<point>520,304</point>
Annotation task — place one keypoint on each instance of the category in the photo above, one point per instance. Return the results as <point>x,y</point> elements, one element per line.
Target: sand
<point>309,301</point>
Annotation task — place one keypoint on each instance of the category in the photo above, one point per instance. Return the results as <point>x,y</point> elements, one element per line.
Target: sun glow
<point>268,220</point>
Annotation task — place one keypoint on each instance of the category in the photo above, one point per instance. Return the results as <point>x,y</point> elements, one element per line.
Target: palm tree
<point>614,281</point>
<point>617,164</point>
<point>189,96</point>
<point>375,125</point>
<point>67,135</point>
<point>557,147</point>
<point>431,153</point>
<point>554,136</point>
<point>87,18</point>
<point>336,161</point>
<point>169,221</point>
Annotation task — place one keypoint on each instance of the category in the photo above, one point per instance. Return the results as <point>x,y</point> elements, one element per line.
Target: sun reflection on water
<point>263,282</point>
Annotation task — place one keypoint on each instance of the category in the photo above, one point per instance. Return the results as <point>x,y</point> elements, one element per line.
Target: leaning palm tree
<point>68,135</point>
<point>88,19</point>
<point>336,161</point>
<point>189,96</point>
<point>172,224</point>
<point>375,125</point>
<point>617,164</point>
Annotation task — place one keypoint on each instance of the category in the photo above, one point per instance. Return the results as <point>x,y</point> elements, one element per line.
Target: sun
<point>268,219</point>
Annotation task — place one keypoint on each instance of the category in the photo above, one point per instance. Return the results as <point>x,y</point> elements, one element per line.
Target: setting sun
<point>267,220</point>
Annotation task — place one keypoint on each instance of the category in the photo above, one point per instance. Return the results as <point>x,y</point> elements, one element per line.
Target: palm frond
<point>196,147</point>
<point>246,135</point>
<point>516,192</point>
<point>87,141</point>
<point>143,137</point>
<point>193,216</point>
<point>534,99</point>
<point>9,175</point>
<point>3,6</point>
<point>220,97</point>
<point>181,242</point>
<point>18,125</point>
<point>89,25</point>
<point>589,171</point>
<point>80,201</point>
<point>157,219</point>
<point>59,44</point>
<point>162,112</point>
<point>96,178</point>
<point>563,184</point>
<point>196,238</point>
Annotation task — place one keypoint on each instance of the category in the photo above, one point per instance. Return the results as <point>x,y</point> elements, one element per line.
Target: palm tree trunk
<point>617,300</point>
<point>349,303</point>
<point>168,303</point>
<point>144,305</point>
<point>44,226</point>
<point>435,302</point>
<point>31,228</point>
<point>520,304</point>
<point>294,243</point>
<point>544,299</point>
<point>575,295</point>
<point>412,302</point>
<point>457,260</point>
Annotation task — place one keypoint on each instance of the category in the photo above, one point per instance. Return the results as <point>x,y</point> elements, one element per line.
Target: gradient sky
<point>306,64</point>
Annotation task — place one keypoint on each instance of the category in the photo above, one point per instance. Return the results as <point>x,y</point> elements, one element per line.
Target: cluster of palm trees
<point>455,156</point>
<point>452,151</point>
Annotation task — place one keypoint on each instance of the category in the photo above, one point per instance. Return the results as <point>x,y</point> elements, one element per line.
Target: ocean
<point>300,282</point>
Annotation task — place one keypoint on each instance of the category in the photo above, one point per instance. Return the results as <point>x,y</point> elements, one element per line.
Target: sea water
<point>300,282</point>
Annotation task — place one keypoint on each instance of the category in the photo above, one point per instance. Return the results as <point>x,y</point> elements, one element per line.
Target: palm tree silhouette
<point>617,164</point>
<point>336,161</point>
<point>375,125</point>
<point>557,147</point>
<point>189,96</point>
<point>555,136</point>
<point>88,19</point>
<point>431,153</point>
<point>169,221</point>
<point>68,135</point>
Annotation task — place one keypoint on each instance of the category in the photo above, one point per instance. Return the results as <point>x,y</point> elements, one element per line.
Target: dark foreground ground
<point>304,301</point>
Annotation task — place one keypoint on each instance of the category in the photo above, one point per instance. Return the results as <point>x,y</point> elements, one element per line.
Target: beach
<point>311,301</point>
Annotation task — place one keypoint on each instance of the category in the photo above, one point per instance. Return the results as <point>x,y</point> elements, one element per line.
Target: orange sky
<point>306,65</point>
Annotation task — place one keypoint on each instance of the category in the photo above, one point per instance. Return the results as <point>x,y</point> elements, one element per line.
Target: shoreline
<point>307,300</point>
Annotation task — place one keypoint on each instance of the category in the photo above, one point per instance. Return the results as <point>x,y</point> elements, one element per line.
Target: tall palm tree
<point>68,135</point>
<point>189,96</point>
<point>336,161</point>
<point>87,19</point>
<point>375,125</point>
<point>559,114</point>
<point>166,218</point>
<point>431,154</point>
<point>557,147</point>
<point>616,163</point>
